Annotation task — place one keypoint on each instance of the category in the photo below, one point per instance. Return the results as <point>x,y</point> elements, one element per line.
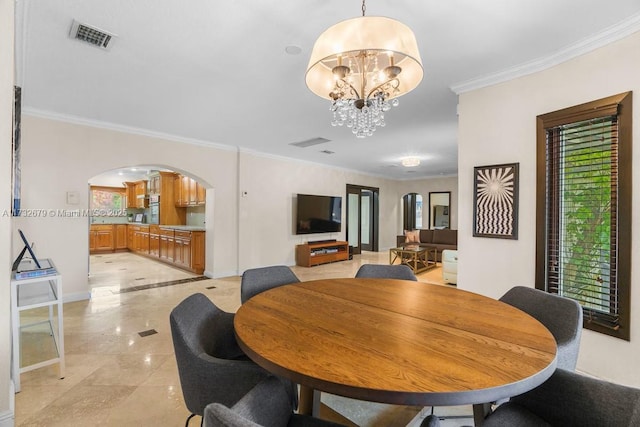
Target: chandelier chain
<point>364,8</point>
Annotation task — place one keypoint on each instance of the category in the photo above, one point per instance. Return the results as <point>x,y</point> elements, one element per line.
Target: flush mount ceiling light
<point>410,162</point>
<point>363,65</point>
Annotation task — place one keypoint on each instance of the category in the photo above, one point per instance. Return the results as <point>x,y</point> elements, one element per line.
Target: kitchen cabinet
<point>169,212</point>
<point>142,197</point>
<point>154,241</point>
<point>181,248</point>
<point>200,194</point>
<point>130,241</point>
<point>101,238</point>
<point>131,194</point>
<point>141,238</point>
<point>182,191</point>
<point>120,231</point>
<point>189,192</point>
<point>107,238</point>
<point>192,192</point>
<point>154,184</point>
<point>197,251</point>
<point>167,244</point>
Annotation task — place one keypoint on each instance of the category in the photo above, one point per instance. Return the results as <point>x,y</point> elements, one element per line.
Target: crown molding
<point>44,114</point>
<point>242,150</point>
<point>609,35</point>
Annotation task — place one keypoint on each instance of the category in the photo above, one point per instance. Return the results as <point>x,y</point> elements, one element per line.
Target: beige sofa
<point>439,239</point>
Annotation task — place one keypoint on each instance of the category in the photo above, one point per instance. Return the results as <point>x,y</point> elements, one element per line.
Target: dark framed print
<point>15,158</point>
<point>495,201</point>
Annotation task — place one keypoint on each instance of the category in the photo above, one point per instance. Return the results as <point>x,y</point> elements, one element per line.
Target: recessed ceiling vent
<point>92,35</point>
<point>310,142</point>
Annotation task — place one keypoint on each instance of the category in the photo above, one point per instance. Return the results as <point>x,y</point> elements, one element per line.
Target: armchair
<point>562,316</point>
<point>211,365</point>
<point>267,404</point>
<point>570,399</point>
<point>386,272</point>
<point>258,280</point>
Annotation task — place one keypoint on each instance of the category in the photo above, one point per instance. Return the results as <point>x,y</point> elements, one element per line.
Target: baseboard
<point>7,419</point>
<point>220,274</point>
<point>78,296</point>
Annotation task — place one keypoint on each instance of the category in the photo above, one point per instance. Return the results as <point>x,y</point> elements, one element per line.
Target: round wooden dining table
<point>395,341</point>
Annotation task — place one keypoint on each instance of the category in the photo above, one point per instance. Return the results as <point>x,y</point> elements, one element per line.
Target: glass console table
<point>43,331</point>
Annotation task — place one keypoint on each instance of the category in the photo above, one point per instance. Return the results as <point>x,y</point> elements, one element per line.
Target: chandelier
<point>363,65</point>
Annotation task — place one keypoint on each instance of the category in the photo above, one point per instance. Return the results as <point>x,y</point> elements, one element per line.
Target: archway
<point>148,223</point>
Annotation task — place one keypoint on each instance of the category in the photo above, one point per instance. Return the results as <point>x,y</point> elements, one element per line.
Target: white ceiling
<point>217,72</point>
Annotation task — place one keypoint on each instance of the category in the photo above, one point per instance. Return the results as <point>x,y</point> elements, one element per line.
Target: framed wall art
<point>16,140</point>
<point>495,201</point>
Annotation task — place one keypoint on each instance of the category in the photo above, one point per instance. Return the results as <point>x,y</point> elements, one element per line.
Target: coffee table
<point>418,258</point>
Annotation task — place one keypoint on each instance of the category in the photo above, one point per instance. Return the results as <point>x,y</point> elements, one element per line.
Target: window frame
<point>621,106</point>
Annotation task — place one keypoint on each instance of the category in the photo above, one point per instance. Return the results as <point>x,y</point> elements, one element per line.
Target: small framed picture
<point>138,217</point>
<point>495,201</point>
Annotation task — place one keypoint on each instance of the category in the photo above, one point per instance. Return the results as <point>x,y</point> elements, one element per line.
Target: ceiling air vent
<point>310,142</point>
<point>92,35</point>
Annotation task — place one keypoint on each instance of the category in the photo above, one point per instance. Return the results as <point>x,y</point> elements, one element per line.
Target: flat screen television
<point>318,214</point>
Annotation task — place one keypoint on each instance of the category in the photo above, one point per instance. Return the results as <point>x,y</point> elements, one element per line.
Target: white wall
<point>498,125</point>
<point>60,157</point>
<point>107,181</point>
<point>250,231</point>
<point>6,129</point>
<point>266,233</point>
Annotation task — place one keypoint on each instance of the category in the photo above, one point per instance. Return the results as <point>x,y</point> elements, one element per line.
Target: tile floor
<point>116,377</point>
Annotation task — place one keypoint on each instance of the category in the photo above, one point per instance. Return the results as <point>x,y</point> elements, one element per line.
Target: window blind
<point>581,215</point>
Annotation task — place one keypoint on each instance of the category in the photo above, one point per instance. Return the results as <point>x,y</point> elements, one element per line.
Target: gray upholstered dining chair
<point>570,399</point>
<point>381,271</point>
<point>211,365</point>
<point>267,404</point>
<point>258,280</point>
<point>562,316</point>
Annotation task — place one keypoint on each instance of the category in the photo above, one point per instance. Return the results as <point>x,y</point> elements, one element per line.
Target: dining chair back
<point>381,271</point>
<point>265,405</point>
<point>562,316</point>
<point>211,365</point>
<point>258,280</point>
<point>570,399</point>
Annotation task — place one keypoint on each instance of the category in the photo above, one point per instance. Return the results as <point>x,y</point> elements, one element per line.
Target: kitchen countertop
<point>184,227</point>
<point>173,227</point>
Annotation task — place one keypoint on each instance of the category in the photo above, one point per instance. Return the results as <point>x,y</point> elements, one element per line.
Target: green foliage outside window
<point>585,226</point>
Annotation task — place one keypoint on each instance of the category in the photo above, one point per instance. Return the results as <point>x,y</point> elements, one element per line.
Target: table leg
<point>309,403</point>
<point>480,411</point>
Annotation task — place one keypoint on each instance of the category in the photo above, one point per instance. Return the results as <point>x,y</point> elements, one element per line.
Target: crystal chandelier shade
<point>362,65</point>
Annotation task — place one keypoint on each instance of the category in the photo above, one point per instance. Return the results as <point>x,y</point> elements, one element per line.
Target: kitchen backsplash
<point>196,216</point>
